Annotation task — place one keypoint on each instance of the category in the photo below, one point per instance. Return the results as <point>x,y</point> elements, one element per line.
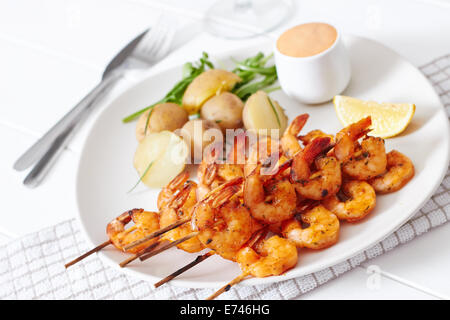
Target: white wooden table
<point>52,52</point>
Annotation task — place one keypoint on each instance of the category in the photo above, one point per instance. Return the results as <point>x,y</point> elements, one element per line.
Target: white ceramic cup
<point>315,79</point>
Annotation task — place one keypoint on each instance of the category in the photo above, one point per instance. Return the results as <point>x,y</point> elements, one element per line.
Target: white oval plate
<point>105,172</point>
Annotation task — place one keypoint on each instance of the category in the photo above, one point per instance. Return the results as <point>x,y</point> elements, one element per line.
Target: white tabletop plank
<point>424,261</point>
<point>85,30</point>
<point>39,88</point>
<point>27,210</point>
<point>359,284</point>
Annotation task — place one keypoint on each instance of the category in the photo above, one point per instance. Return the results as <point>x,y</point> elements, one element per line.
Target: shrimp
<point>269,199</point>
<point>289,140</point>
<point>322,230</point>
<point>146,222</point>
<point>400,170</point>
<point>234,166</point>
<point>325,181</point>
<point>168,192</point>
<point>224,224</point>
<point>360,161</point>
<point>273,257</point>
<point>347,138</point>
<point>207,170</point>
<point>212,174</point>
<point>310,136</point>
<point>264,258</point>
<point>208,173</point>
<point>302,205</point>
<point>357,201</point>
<point>181,206</point>
<point>266,150</point>
<point>369,161</point>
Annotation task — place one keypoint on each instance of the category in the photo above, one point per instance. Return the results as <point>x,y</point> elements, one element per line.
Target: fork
<point>142,52</point>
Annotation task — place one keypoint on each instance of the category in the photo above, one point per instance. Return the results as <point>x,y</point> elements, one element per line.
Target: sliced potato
<point>160,157</point>
<point>261,114</point>
<point>206,85</point>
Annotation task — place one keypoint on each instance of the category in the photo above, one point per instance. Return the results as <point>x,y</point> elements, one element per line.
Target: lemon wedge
<point>388,119</point>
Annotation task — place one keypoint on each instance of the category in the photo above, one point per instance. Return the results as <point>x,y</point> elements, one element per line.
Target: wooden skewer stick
<point>97,248</point>
<point>137,255</point>
<point>104,244</point>
<point>260,234</point>
<point>227,286</point>
<point>168,246</point>
<point>197,260</point>
<point>190,265</point>
<point>156,233</point>
<point>130,229</point>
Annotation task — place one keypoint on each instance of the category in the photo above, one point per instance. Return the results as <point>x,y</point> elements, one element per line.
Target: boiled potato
<point>198,134</point>
<point>165,116</point>
<point>224,109</point>
<point>261,114</point>
<point>160,157</point>
<point>206,85</point>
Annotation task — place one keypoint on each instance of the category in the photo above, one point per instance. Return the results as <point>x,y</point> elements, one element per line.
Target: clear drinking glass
<point>237,19</point>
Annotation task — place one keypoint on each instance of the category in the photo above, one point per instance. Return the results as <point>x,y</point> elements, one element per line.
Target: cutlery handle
<point>40,147</point>
<point>55,141</point>
<point>42,167</point>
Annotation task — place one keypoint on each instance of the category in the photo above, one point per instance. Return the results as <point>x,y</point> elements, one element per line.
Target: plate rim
<point>272,279</point>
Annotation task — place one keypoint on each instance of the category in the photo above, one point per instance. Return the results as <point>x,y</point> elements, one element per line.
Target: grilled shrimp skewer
<point>271,199</point>
<point>225,225</point>
<point>270,257</point>
<point>178,195</point>
<point>219,223</point>
<point>145,222</point>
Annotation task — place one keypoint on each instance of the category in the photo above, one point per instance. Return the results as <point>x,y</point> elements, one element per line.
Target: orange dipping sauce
<point>307,39</point>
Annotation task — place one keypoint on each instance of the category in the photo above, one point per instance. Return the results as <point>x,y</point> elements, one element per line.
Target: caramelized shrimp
<point>211,174</point>
<point>269,199</point>
<point>310,136</point>
<point>266,150</point>
<point>322,230</point>
<point>400,170</point>
<point>325,181</point>
<point>289,140</point>
<point>347,138</point>
<point>273,257</point>
<point>236,158</point>
<point>225,224</point>
<point>146,222</point>
<point>181,206</point>
<point>357,200</point>
<point>368,161</point>
<point>168,192</point>
<point>207,170</point>
<point>360,161</point>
